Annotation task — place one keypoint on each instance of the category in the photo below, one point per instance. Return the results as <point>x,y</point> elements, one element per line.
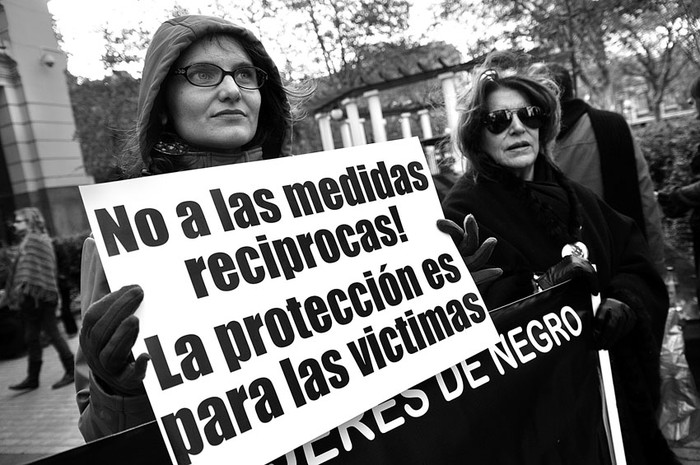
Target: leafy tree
<point>646,34</point>
<point>652,41</point>
<point>689,12</point>
<point>104,112</point>
<point>669,146</point>
<point>574,26</point>
<point>127,46</point>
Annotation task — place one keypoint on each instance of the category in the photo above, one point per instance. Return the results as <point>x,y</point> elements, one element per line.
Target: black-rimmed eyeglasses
<point>209,75</point>
<point>498,121</point>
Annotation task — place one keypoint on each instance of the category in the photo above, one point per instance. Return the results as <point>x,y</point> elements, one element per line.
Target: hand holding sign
<point>282,325</point>
<point>569,267</point>
<point>475,255</point>
<point>107,337</point>
<point>613,320</point>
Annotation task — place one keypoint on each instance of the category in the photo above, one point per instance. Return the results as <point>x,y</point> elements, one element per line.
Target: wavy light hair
<point>504,70</point>
<point>35,219</point>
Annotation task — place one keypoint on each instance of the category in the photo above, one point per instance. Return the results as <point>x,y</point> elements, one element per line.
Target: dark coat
<point>621,185</point>
<point>524,217</point>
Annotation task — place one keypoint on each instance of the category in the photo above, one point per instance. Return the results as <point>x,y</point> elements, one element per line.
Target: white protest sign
<point>284,297</point>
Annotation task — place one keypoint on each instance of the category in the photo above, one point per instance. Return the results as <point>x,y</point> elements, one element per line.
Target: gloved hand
<point>107,337</point>
<point>474,255</point>
<point>569,267</point>
<point>612,321</point>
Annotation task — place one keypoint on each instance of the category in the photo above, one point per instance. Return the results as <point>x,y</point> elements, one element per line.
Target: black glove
<point>474,255</point>
<point>107,337</point>
<point>612,321</point>
<point>570,267</point>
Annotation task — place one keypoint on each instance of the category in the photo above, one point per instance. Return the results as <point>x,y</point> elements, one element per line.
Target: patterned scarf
<point>34,271</point>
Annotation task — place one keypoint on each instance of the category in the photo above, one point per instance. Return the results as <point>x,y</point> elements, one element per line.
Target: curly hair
<point>34,218</point>
<point>502,70</point>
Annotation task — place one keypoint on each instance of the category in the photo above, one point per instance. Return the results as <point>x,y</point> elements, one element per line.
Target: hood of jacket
<point>169,41</point>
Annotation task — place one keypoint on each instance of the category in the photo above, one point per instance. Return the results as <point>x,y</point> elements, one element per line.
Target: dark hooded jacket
<point>103,413</point>
<point>170,40</point>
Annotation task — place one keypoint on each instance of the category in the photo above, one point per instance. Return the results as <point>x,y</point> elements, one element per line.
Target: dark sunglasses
<point>209,75</point>
<point>498,121</point>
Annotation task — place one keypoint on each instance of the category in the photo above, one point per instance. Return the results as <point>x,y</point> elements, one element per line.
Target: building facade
<point>40,160</point>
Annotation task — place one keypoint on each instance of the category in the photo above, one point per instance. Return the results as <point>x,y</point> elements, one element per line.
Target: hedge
<point>668,147</point>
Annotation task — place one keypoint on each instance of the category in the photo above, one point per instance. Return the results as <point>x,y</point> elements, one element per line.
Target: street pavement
<point>41,422</point>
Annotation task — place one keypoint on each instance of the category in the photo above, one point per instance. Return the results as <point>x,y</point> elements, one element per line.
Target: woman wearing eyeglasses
<point>210,95</point>
<point>506,130</point>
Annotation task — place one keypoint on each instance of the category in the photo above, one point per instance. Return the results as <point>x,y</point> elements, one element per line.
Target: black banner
<point>533,398</point>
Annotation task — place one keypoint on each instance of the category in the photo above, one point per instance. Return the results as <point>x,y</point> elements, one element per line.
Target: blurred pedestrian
<point>32,291</point>
<point>678,201</point>
<point>67,255</point>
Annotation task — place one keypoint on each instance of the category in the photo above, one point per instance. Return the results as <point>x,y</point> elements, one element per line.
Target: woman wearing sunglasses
<point>210,95</point>
<point>506,130</point>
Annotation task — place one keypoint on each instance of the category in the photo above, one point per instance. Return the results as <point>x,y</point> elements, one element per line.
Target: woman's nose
<point>228,89</point>
<point>516,125</point>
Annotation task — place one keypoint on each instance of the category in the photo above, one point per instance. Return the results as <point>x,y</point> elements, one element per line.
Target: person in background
<point>31,289</point>
<point>678,201</point>
<point>507,128</point>
<point>596,148</point>
<point>210,95</point>
<point>695,95</point>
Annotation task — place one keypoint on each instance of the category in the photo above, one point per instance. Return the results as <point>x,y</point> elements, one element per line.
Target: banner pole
<point>617,448</point>
<point>611,417</point>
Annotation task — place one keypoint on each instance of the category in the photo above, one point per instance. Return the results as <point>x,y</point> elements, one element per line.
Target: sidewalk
<point>38,423</point>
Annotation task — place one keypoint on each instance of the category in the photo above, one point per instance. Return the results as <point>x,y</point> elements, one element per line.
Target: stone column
<point>324,126</point>
<point>42,164</point>
<point>356,128</point>
<point>450,95</point>
<point>405,125</point>
<point>428,134</point>
<point>363,134</point>
<point>425,124</point>
<point>375,115</point>
<point>430,157</point>
<point>345,134</point>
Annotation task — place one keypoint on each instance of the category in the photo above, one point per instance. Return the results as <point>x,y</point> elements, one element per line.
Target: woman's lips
<point>229,113</point>
<point>518,145</point>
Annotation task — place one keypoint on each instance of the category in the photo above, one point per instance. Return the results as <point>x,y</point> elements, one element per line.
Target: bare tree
<point>652,42</point>
<point>343,27</point>
<point>689,12</point>
<point>645,34</point>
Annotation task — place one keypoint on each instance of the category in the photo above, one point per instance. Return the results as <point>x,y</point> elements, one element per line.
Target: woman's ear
<point>163,118</point>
